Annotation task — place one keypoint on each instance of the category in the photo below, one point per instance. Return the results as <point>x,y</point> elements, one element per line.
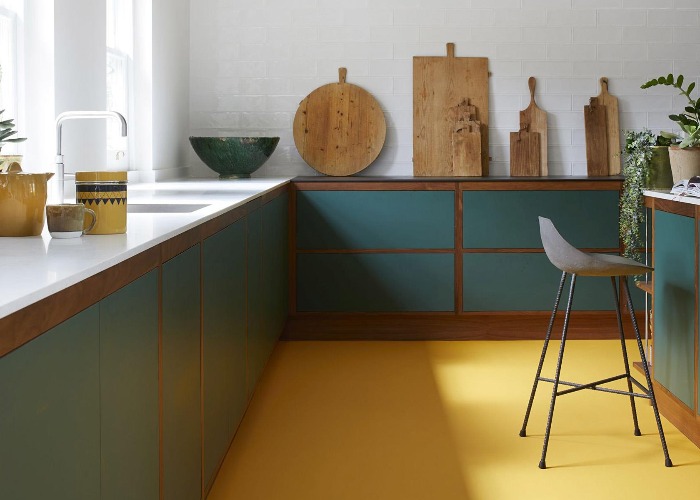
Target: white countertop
<point>34,268</point>
<point>665,194</point>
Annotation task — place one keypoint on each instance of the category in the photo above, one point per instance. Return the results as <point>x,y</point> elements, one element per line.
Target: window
<point>119,64</point>
<point>10,61</point>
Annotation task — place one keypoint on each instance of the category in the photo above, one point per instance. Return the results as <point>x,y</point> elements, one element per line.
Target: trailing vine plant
<point>638,152</point>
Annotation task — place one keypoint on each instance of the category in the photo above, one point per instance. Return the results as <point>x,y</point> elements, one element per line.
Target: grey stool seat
<point>572,261</point>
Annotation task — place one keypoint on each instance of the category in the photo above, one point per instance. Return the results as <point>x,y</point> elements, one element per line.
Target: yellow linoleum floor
<point>440,420</point>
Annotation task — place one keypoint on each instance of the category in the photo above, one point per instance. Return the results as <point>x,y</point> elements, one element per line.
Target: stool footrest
<point>594,386</point>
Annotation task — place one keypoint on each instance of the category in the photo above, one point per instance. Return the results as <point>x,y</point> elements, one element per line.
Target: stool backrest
<point>560,252</point>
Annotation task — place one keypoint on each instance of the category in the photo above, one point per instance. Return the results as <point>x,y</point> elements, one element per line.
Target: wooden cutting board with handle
<point>439,85</point>
<point>612,122</point>
<point>596,138</point>
<point>525,153</point>
<point>534,119</point>
<point>339,128</point>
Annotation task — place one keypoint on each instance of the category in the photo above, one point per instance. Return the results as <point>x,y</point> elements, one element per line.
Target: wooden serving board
<point>339,128</point>
<point>612,122</point>
<point>596,138</point>
<point>534,119</point>
<point>525,153</point>
<point>440,84</point>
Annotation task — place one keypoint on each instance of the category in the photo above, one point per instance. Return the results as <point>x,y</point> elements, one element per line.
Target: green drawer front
<point>375,219</point>
<point>526,282</point>
<point>674,305</point>
<point>508,219</point>
<point>375,282</point>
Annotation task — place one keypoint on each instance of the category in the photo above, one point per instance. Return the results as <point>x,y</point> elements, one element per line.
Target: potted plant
<point>6,133</point>
<point>685,157</point>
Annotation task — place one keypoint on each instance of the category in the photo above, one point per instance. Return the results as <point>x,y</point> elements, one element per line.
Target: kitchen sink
<point>163,208</point>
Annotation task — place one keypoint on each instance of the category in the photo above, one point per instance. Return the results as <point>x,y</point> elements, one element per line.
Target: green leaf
<point>690,88</point>
<point>6,133</point>
<point>18,139</point>
<point>690,109</point>
<point>662,80</point>
<point>674,118</point>
<point>669,79</point>
<point>679,81</point>
<point>650,83</point>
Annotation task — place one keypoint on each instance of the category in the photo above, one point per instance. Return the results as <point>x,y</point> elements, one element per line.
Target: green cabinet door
<point>181,376</point>
<point>674,304</point>
<point>50,414</point>
<point>224,341</point>
<point>275,269</point>
<point>129,390</point>
<point>255,336</point>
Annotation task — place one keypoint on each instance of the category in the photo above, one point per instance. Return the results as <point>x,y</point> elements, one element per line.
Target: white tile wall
<point>253,61</point>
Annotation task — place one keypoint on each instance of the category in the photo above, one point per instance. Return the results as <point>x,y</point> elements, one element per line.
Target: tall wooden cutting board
<point>534,119</point>
<point>612,121</point>
<point>339,129</point>
<point>439,85</point>
<point>596,138</point>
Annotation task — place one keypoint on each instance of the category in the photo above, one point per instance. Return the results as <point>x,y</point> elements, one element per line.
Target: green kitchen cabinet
<point>675,304</point>
<point>181,375</point>
<point>508,219</point>
<point>381,282</point>
<point>224,341</point>
<point>375,219</point>
<point>254,265</point>
<point>275,225</point>
<point>50,414</point>
<point>128,331</point>
<point>525,282</point>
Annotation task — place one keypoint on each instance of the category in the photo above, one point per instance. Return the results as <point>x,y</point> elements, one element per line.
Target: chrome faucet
<point>71,115</point>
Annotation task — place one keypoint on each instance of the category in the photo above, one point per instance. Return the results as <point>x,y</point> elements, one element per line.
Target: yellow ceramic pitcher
<point>22,202</point>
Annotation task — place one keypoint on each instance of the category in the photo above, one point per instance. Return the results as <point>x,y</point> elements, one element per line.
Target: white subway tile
<point>521,51</point>
<point>578,101</point>
<point>347,34</point>
<point>685,35</point>
<point>649,4</point>
<point>403,85</point>
<point>645,70</point>
<point>445,33</point>
<point>395,34</point>
<point>506,85</point>
<point>496,4</point>
<point>622,52</point>
<point>505,120</point>
<point>411,50</point>
<point>594,68</point>
<point>291,68</point>
<point>561,168</point>
<point>567,120</point>
<point>499,153</point>
<point>572,86</point>
<point>506,102</point>
<point>291,34</point>
<point>445,4</point>
<point>391,67</point>
<point>285,3</point>
<point>282,103</point>
<point>674,17</point>
<point>522,17</point>
<point>497,34</point>
<point>622,17</point>
<point>597,4</point>
<point>419,17</point>
<point>572,52</point>
<point>675,51</point>
<point>316,17</point>
<point>633,120</point>
<point>368,17</point>
<point>551,103</point>
<point>265,120</point>
<point>499,168</point>
<point>506,68</point>
<point>471,17</point>
<point>263,51</point>
<point>355,67</point>
<point>570,17</point>
<point>633,103</point>
<point>545,4</point>
<point>650,34</point>
<point>659,121</point>
<point>368,50</point>
<point>232,102</point>
<point>578,136</point>
<point>567,153</point>
<point>558,34</point>
<point>318,50</point>
<point>544,69</point>
<point>689,69</point>
<point>499,136</point>
<point>579,168</point>
<point>597,34</point>
<point>559,137</point>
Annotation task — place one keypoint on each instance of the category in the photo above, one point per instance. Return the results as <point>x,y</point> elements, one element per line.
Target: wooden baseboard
<point>678,414</point>
<point>446,326</point>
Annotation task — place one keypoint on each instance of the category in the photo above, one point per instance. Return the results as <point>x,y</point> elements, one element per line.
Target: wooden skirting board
<point>449,326</point>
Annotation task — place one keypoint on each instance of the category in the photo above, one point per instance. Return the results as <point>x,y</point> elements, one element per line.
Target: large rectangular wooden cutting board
<point>440,84</point>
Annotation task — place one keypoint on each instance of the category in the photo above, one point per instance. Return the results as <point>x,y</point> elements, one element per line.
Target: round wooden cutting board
<point>339,128</point>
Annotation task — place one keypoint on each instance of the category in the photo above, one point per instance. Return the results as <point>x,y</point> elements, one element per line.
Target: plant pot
<point>10,163</point>
<point>685,162</point>
<point>660,176</point>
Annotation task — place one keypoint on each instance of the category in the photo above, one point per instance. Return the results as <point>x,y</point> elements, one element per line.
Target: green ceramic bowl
<point>234,157</point>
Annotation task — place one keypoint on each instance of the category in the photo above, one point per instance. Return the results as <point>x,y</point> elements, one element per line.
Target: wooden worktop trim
<point>374,186</point>
<point>674,207</point>
<point>28,323</point>
<point>552,185</point>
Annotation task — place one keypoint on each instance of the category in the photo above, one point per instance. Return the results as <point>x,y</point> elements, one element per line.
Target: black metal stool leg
<point>543,355</point>
<point>668,462</point>
<point>543,464</point>
<point>637,432</point>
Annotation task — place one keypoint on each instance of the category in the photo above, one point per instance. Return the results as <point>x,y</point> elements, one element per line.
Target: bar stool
<point>572,261</point>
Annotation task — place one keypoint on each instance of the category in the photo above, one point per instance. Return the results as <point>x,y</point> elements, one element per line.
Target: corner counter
<point>675,362</point>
